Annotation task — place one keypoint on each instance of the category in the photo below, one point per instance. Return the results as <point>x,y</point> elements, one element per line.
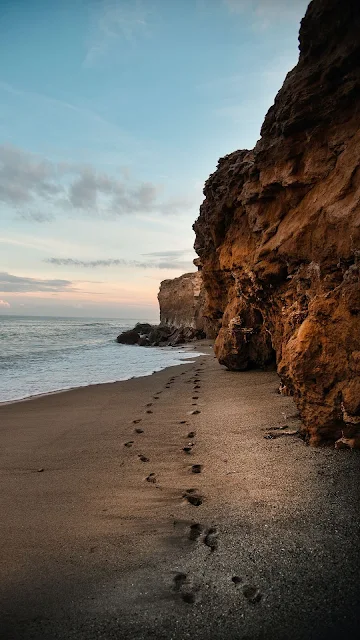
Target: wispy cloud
<point>170,261</point>
<point>18,284</point>
<point>265,12</point>
<point>36,187</point>
<point>4,304</point>
<point>116,21</point>
<point>98,127</point>
<point>174,254</point>
<point>63,104</point>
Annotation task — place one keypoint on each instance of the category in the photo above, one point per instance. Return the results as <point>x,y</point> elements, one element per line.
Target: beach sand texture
<point>175,506</point>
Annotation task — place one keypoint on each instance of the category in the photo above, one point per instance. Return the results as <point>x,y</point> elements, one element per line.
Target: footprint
<point>211,539</point>
<point>191,434</point>
<point>149,404</point>
<point>197,386</point>
<point>167,386</point>
<point>182,422</point>
<point>193,497</point>
<point>183,585</point>
<point>156,397</point>
<point>194,404</point>
<point>143,458</point>
<point>187,449</point>
<point>151,478</point>
<point>179,580</point>
<point>189,597</point>
<point>149,411</point>
<point>137,421</point>
<point>195,531</point>
<point>197,380</point>
<point>129,444</point>
<point>195,412</point>
<point>236,580</point>
<point>139,430</point>
<point>251,593</point>
<point>195,398</point>
<point>196,468</point>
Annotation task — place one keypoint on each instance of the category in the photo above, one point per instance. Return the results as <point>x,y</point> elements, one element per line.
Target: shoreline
<point>188,346</point>
<point>102,510</point>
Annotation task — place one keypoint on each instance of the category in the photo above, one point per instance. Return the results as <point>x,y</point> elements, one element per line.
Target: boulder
<point>128,337</point>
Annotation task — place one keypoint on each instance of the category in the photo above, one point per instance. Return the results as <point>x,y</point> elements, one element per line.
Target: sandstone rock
<point>279,232</point>
<point>182,305</point>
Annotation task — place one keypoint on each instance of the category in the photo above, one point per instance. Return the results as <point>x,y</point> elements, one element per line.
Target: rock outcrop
<point>182,302</point>
<point>279,232</point>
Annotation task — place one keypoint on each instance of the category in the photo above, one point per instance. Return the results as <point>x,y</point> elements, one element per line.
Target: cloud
<point>19,284</point>
<point>267,11</point>
<point>37,100</point>
<point>171,263</point>
<point>4,304</point>
<point>23,175</point>
<point>35,216</point>
<point>116,21</point>
<point>29,183</point>
<point>169,254</point>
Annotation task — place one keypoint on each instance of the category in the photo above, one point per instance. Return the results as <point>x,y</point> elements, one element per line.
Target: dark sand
<point>91,549</point>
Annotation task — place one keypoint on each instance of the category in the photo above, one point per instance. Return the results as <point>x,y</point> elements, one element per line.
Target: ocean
<point>41,355</point>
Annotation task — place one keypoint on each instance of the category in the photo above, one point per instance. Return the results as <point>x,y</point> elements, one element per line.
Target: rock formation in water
<point>181,302</point>
<point>279,233</point>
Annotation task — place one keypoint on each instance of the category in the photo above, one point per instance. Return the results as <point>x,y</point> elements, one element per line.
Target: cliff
<point>182,304</point>
<point>279,233</point>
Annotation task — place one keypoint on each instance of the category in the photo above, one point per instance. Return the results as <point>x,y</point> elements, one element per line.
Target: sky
<point>113,113</point>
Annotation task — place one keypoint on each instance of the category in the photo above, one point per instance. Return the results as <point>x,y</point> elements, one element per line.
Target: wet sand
<point>127,515</point>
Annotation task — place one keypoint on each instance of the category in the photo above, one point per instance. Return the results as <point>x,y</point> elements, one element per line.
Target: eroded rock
<point>279,233</point>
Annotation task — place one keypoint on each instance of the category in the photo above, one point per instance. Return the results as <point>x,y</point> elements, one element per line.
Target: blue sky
<point>112,115</point>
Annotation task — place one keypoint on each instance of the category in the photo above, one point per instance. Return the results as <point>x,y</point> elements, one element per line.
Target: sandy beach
<point>109,531</point>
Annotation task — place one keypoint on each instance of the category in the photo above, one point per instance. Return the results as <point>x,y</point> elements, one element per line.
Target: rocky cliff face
<point>279,232</point>
<point>181,301</point>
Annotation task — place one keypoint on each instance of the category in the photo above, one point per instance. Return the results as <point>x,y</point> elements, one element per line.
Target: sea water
<point>42,354</point>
